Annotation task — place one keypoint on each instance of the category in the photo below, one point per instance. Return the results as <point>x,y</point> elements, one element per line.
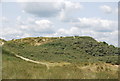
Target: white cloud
<point>96,24</point>
<point>71,31</point>
<point>109,37</point>
<point>106,9</point>
<point>44,26</point>
<point>69,9</point>
<point>72,5</point>
<point>31,27</point>
<point>34,25</point>
<point>25,20</point>
<point>10,33</point>
<point>5,19</point>
<point>61,8</point>
<point>37,26</point>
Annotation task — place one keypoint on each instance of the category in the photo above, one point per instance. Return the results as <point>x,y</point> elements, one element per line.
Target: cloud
<point>43,9</point>
<point>69,6</point>
<point>69,9</point>
<point>61,8</point>
<point>10,33</point>
<point>96,24</point>
<point>25,20</point>
<point>30,28</point>
<point>109,37</point>
<point>44,26</point>
<point>106,9</point>
<point>37,27</point>
<point>4,20</point>
<point>68,32</point>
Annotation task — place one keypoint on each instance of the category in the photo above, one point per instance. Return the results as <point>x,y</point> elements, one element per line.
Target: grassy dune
<point>86,58</point>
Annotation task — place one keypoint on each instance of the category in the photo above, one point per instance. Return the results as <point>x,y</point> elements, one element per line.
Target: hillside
<point>67,49</point>
<point>79,54</point>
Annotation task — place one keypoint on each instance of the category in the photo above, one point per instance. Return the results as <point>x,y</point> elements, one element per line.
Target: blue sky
<point>64,18</point>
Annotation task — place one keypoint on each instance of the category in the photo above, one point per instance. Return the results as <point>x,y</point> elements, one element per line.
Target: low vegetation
<point>88,58</point>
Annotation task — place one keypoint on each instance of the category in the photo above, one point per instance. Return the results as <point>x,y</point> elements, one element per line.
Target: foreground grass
<point>15,68</point>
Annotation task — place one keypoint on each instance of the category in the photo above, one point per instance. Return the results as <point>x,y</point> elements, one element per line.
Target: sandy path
<point>47,64</point>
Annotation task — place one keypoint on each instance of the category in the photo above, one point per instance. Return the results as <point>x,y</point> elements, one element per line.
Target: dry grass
<point>15,68</point>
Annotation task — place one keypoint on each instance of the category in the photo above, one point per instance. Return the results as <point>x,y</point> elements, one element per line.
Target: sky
<point>59,18</point>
